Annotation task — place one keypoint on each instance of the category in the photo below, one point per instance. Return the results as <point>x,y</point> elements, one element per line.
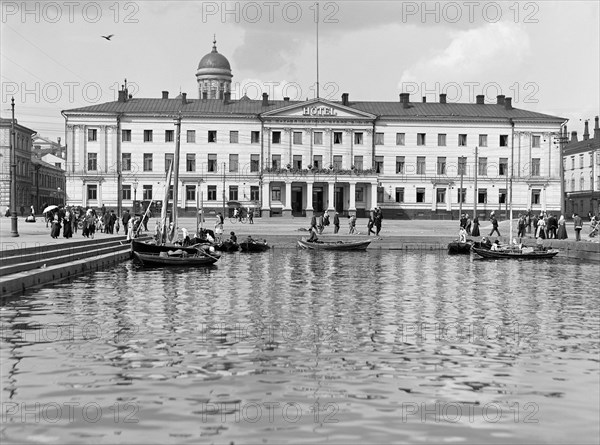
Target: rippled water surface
<point>304,347</point>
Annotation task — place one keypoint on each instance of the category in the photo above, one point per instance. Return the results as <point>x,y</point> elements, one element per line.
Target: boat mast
<point>476,197</point>
<point>173,234</point>
<point>163,213</point>
<point>510,193</point>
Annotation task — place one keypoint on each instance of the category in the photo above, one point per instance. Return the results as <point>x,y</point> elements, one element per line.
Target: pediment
<point>318,109</point>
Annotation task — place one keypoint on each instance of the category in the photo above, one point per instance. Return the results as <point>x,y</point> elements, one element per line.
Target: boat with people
<point>457,248</point>
<point>333,245</point>
<point>515,252</point>
<point>251,245</point>
<point>179,257</point>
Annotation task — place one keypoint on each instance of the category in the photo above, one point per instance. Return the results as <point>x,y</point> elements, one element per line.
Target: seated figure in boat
<point>495,245</point>
<point>462,235</point>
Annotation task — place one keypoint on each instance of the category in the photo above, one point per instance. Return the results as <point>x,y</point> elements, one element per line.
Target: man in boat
<point>232,237</point>
<point>313,234</point>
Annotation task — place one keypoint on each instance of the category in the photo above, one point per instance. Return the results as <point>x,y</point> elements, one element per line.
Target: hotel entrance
<point>318,199</point>
<point>297,209</point>
<point>339,199</point>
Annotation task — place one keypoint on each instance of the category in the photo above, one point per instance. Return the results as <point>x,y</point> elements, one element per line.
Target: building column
<point>265,211</point>
<point>434,199</point>
<point>544,199</point>
<point>352,205</point>
<point>330,196</point>
<point>448,199</point>
<point>287,205</point>
<point>373,195</point>
<point>309,201</point>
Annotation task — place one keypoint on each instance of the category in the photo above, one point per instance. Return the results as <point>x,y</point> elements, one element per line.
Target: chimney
<point>500,99</point>
<point>573,136</point>
<point>565,132</point>
<point>345,99</point>
<point>404,98</point>
<point>227,97</point>
<point>123,94</point>
<point>508,103</point>
<point>443,98</point>
<point>596,129</point>
<point>424,99</point>
<point>165,94</point>
<point>480,99</point>
<point>265,101</point>
<point>286,99</point>
<point>204,95</point>
<point>586,132</point>
<point>184,98</point>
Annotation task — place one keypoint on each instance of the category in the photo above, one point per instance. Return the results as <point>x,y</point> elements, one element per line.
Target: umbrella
<point>50,208</point>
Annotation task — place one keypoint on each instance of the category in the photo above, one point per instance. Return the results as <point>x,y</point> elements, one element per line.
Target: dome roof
<point>214,60</point>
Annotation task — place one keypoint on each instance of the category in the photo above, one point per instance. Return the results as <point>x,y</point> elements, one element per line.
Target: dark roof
<point>251,108</point>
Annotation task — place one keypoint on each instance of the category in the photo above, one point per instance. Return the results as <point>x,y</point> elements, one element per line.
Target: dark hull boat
<point>458,248</point>
<point>227,246</point>
<point>152,247</point>
<point>254,246</point>
<point>524,254</point>
<point>338,245</point>
<point>164,259</point>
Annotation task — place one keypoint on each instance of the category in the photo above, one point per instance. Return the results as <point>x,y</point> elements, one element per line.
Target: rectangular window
<point>400,194</point>
<point>573,162</point>
<point>147,135</point>
<point>211,194</point>
<point>126,192</point>
<point>254,163</point>
<point>276,162</point>
<point>380,194</point>
<point>337,162</point>
<point>378,164</point>
<point>297,164</point>
<point>420,165</point>
<point>400,138</point>
<point>147,162</point>
<point>126,162</point>
<point>298,137</point>
<point>317,162</point>
<point>400,165</point>
<point>212,136</point>
<point>126,135</point>
<point>503,140</point>
<point>147,192</point>
<point>502,196</point>
<point>482,168</point>
<point>359,194</point>
<point>482,196</point>
<point>92,164</point>
<point>420,194</point>
<point>276,194</point>
<point>233,162</point>
<point>169,135</point>
<point>462,140</point>
<point>276,137</point>
<point>441,140</point>
<point>92,134</point>
<point>441,165</point>
<point>58,164</point>
<point>535,141</point>
<point>358,163</point>
<point>535,166</point>
<point>92,192</point>
<point>212,163</point>
<point>169,157</point>
<point>535,196</point>
<point>190,192</point>
<point>255,137</point>
<point>503,167</point>
<point>421,139</point>
<point>233,192</point>
<point>190,162</point>
<point>581,161</point>
<point>461,195</point>
<point>254,193</point>
<point>378,138</point>
<point>462,166</point>
<point>234,137</point>
<point>337,137</point>
<point>358,138</point>
<point>483,140</point>
<point>318,138</point>
<point>440,196</point>
<point>191,136</point>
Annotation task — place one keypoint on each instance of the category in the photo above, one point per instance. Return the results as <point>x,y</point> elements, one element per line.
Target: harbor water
<point>308,347</point>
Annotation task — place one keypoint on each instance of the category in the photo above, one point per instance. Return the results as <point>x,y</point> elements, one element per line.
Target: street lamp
<point>135,186</point>
<point>14,230</point>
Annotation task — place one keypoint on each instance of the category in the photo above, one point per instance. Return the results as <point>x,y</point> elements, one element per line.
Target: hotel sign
<point>319,111</point>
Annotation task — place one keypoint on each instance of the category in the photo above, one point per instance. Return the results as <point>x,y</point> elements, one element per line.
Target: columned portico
<point>352,205</point>
<point>373,195</point>
<point>330,196</point>
<point>309,199</point>
<point>265,211</point>
<point>287,205</point>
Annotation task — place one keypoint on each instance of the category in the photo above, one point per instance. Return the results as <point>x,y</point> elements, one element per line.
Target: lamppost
<point>14,230</point>
<point>135,186</point>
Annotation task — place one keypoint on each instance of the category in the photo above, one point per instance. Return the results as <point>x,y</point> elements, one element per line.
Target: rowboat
<point>254,246</point>
<point>333,245</point>
<point>515,253</point>
<point>151,247</point>
<point>178,258</point>
<point>227,246</point>
<point>458,248</point>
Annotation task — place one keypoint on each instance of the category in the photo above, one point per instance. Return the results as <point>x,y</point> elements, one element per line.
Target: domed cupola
<point>214,75</point>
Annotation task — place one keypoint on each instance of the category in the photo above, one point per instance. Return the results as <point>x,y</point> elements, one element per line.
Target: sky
<point>544,54</point>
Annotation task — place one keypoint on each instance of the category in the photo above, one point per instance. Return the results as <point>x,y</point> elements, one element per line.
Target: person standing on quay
<point>494,224</point>
<point>562,228</point>
<point>377,222</point>
<point>336,222</point>
<point>250,215</point>
<point>67,226</point>
<point>475,231</point>
<point>578,224</point>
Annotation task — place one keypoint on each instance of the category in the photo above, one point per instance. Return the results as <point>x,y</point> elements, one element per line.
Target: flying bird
<point>107,37</point>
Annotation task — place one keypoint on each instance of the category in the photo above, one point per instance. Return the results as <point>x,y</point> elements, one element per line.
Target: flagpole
<point>317,15</point>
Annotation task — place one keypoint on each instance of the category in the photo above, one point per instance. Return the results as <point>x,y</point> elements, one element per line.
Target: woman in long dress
<point>562,228</point>
<point>475,231</point>
<point>55,232</point>
<point>541,228</point>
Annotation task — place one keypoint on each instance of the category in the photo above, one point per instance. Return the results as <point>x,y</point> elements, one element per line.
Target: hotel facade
<point>296,158</point>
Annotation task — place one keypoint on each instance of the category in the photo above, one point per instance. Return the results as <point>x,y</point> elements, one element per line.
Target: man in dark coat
<point>125,218</point>
<point>336,222</point>
<point>494,224</point>
<point>578,224</point>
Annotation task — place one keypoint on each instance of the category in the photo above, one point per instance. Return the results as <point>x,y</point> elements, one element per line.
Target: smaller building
<point>581,161</point>
<point>48,181</point>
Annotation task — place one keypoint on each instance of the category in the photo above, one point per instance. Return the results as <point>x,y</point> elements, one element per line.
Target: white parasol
<point>50,208</point>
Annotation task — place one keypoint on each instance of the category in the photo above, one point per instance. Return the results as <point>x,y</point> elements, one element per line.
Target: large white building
<point>293,158</point>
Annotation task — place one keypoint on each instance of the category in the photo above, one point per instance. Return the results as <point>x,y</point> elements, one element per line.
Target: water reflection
<point>309,347</point>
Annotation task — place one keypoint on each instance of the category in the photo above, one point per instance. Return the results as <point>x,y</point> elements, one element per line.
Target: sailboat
<point>513,250</point>
<point>165,251</point>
